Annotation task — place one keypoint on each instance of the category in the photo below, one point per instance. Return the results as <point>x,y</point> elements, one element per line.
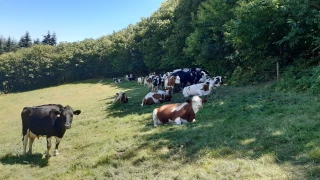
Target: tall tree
<point>182,28</point>
<point>37,41</point>
<point>50,39</point>
<point>10,45</point>
<point>53,40</point>
<point>25,41</point>
<point>47,38</point>
<point>2,45</point>
<point>207,44</point>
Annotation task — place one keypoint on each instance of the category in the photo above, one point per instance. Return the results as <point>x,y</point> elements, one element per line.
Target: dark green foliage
<point>238,39</point>
<point>297,80</point>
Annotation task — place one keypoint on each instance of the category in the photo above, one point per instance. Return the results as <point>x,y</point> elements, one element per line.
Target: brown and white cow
<point>145,81</point>
<point>148,81</point>
<point>178,113</point>
<point>171,81</point>
<point>157,97</point>
<point>121,97</point>
<point>140,80</point>
<point>201,89</point>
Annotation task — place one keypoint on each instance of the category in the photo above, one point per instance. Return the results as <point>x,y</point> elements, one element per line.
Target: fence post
<point>277,70</point>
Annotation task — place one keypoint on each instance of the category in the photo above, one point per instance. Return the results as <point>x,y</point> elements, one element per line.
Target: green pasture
<point>246,132</point>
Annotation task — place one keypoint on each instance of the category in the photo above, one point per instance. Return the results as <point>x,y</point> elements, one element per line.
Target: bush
<point>296,80</point>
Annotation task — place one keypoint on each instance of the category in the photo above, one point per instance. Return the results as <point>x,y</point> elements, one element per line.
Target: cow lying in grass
<point>121,97</point>
<point>178,113</point>
<point>157,97</point>
<point>201,89</point>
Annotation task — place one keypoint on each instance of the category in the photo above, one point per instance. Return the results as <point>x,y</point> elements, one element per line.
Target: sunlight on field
<point>234,137</point>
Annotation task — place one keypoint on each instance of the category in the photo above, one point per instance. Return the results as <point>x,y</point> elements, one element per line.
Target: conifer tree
<point>37,41</point>
<point>2,45</point>
<point>25,41</point>
<point>53,40</point>
<point>47,38</point>
<point>50,39</point>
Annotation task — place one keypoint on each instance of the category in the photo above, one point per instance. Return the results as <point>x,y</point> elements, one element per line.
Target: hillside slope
<point>241,133</point>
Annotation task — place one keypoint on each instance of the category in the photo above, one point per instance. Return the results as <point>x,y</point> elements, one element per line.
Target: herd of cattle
<point>52,120</point>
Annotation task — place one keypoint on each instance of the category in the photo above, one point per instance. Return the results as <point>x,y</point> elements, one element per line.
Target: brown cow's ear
<point>188,101</point>
<point>77,112</point>
<point>204,100</point>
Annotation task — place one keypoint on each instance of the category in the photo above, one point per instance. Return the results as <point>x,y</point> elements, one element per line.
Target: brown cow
<point>171,81</point>
<point>157,97</point>
<point>178,113</point>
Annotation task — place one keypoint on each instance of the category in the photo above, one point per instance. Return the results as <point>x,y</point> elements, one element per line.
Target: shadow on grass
<point>135,94</point>
<point>242,123</point>
<point>34,160</point>
<point>253,125</point>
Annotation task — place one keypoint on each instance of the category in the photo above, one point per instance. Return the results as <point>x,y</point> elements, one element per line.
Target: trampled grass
<point>241,133</point>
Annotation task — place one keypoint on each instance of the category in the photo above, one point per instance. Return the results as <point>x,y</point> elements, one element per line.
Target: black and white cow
<point>130,77</point>
<point>218,80</point>
<point>51,120</point>
<point>156,82</point>
<point>189,76</point>
<point>117,80</point>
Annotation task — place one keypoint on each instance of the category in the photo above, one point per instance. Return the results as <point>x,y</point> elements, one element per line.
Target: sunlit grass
<point>241,133</point>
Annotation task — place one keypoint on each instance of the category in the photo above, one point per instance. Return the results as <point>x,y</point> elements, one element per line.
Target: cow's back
<point>166,112</point>
<point>37,119</point>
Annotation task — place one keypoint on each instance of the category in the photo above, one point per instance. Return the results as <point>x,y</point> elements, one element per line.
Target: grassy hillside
<point>242,133</point>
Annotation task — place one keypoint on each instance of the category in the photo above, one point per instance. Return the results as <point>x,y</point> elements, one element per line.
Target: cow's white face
<point>214,82</point>
<point>196,103</point>
<point>177,81</point>
<point>218,81</point>
<point>119,96</point>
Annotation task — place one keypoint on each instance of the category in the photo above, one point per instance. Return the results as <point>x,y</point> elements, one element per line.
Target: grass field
<point>241,133</point>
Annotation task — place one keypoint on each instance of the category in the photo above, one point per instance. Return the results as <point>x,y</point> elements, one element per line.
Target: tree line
<point>10,45</point>
<point>239,39</point>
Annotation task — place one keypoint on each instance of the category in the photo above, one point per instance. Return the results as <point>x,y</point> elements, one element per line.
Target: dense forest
<point>241,40</point>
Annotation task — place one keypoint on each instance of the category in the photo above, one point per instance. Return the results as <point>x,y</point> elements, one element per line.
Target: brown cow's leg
<point>48,146</point>
<point>56,151</point>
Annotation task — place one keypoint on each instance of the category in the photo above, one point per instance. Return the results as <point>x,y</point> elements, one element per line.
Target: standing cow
<point>51,120</point>
<point>178,113</point>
